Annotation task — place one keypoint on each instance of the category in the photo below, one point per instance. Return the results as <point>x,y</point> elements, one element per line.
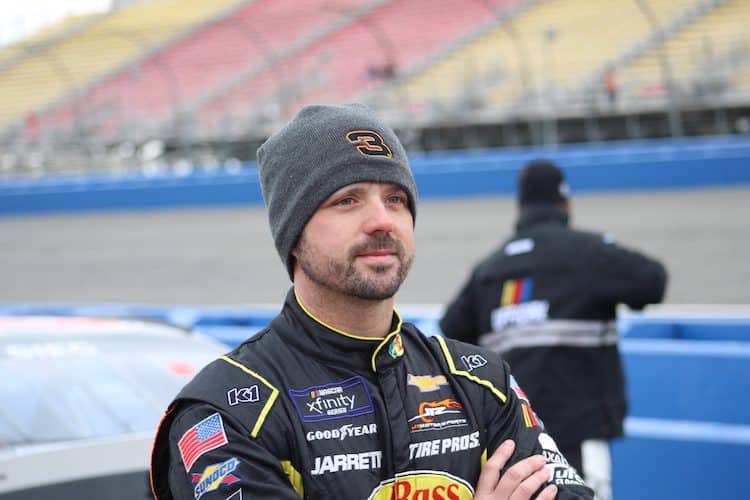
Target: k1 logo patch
<point>237,395</point>
<point>335,400</point>
<point>473,361</point>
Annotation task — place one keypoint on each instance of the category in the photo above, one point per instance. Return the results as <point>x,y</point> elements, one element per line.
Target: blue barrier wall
<point>628,165</point>
<point>688,430</point>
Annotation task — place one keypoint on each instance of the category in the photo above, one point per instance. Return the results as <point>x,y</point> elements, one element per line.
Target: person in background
<point>611,86</point>
<point>338,397</point>
<point>546,300</point>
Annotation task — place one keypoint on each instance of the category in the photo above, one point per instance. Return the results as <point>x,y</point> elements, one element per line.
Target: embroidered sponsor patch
<point>345,399</point>
<point>529,417</point>
<point>561,472</point>
<point>473,361</point>
<point>345,462</point>
<point>343,432</point>
<point>426,383</point>
<point>443,446</point>
<point>206,435</point>
<point>214,476</point>
<point>435,415</point>
<point>237,395</point>
<point>396,347</point>
<point>423,484</point>
<point>517,389</point>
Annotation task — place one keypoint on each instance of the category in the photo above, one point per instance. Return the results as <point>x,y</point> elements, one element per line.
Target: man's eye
<point>397,199</point>
<point>345,201</point>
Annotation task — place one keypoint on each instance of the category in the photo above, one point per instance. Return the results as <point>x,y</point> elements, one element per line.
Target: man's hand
<point>519,482</point>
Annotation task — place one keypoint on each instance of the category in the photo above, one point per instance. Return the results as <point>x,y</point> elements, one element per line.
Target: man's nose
<point>378,218</point>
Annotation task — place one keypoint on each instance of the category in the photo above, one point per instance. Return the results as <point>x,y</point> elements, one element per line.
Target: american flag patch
<point>517,389</point>
<point>206,435</point>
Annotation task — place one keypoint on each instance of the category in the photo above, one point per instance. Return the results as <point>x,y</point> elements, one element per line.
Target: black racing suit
<point>303,410</point>
<point>546,300</point>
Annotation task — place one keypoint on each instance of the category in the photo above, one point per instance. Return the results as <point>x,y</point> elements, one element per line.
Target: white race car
<point>80,401</point>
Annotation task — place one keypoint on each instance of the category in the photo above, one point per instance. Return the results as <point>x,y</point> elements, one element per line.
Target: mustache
<point>378,242</point>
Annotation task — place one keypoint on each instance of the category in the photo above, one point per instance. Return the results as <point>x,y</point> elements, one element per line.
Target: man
<point>338,398</point>
<point>546,299</point>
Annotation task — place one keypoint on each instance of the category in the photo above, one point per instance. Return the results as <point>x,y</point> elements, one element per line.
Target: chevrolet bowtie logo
<point>427,383</point>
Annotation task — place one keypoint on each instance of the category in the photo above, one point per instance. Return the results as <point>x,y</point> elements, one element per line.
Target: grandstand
<point>700,56</point>
<point>213,77</point>
<point>70,63</point>
<point>536,53</point>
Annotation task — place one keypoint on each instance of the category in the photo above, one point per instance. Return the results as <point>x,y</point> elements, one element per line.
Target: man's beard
<point>342,276</point>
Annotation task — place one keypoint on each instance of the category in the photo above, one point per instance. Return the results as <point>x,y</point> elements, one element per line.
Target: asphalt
<point>226,256</point>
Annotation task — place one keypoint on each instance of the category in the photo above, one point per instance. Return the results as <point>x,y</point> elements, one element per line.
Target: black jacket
<point>304,410</point>
<point>546,299</point>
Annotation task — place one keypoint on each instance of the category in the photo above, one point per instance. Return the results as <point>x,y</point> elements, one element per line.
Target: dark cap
<point>541,181</point>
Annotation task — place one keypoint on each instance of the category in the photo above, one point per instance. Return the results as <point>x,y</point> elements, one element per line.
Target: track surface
<point>226,256</point>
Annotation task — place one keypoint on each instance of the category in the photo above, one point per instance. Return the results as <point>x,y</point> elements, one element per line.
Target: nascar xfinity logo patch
<point>335,400</point>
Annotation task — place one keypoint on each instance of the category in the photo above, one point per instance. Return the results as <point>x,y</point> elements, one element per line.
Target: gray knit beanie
<point>322,149</point>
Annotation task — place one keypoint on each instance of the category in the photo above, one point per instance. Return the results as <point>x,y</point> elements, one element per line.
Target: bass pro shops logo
<point>423,485</point>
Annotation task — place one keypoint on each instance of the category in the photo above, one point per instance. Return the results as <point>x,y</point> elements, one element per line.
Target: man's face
<point>360,241</point>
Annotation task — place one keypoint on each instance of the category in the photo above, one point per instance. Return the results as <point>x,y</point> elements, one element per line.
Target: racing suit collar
<point>541,213</point>
<point>337,347</point>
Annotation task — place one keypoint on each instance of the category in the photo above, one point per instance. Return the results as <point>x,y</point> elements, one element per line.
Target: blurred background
<point>128,182</point>
<point>181,84</point>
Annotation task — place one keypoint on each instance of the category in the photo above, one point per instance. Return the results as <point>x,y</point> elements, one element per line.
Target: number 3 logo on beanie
<point>369,143</point>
